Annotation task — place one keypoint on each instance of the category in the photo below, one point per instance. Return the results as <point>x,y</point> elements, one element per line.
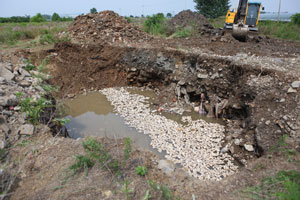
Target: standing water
<point>93,115</point>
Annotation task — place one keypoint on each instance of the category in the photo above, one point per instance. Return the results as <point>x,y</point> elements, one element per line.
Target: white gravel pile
<point>195,146</point>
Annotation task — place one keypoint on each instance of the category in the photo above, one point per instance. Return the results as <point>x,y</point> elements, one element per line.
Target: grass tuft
<point>284,185</point>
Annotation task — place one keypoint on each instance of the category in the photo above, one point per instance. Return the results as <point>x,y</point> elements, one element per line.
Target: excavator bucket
<point>240,32</point>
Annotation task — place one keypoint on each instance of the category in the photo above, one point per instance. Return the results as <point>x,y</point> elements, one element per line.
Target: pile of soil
<point>105,27</point>
<point>187,18</point>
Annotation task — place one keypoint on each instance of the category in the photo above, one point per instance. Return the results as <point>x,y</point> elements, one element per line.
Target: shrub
<point>38,18</point>
<point>46,39</point>
<point>296,19</point>
<point>155,24</point>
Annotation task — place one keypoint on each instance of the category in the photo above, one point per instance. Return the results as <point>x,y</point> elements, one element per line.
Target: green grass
<point>285,185</point>
<point>218,22</point>
<point>165,192</point>
<point>95,153</point>
<point>82,162</point>
<point>46,32</point>
<point>182,33</point>
<point>127,148</point>
<point>141,170</point>
<point>281,30</point>
<point>126,190</point>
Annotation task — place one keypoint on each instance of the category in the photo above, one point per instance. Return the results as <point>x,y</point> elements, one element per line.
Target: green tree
<point>38,18</point>
<point>169,15</point>
<point>55,17</point>
<point>212,8</point>
<point>93,10</point>
<point>296,19</point>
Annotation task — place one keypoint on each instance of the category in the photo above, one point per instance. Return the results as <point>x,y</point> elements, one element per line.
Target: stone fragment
<point>40,89</point>
<point>6,74</point>
<point>2,80</point>
<point>26,129</point>
<point>133,69</point>
<point>10,100</point>
<point>166,166</point>
<point>2,92</point>
<point>224,149</point>
<point>237,141</point>
<point>296,84</point>
<point>202,76</point>
<point>4,127</point>
<point>249,147</point>
<point>24,73</point>
<point>182,82</point>
<point>2,144</point>
<point>107,194</point>
<point>282,100</point>
<point>24,83</point>
<point>215,75</point>
<point>291,90</point>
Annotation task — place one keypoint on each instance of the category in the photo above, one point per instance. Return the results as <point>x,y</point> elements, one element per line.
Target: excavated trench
<point>245,97</point>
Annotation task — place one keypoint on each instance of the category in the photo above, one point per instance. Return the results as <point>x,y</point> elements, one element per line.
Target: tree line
<point>37,18</point>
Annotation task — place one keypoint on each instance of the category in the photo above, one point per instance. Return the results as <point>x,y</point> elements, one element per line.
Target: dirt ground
<point>44,163</point>
<point>254,77</point>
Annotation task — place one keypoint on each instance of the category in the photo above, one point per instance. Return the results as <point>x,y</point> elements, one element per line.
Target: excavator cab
<point>252,16</point>
<point>244,19</point>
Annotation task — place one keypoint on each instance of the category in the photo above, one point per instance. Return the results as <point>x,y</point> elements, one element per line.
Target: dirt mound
<point>187,18</point>
<point>106,27</point>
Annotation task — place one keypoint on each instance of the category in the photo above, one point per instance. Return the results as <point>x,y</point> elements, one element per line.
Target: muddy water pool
<point>93,115</point>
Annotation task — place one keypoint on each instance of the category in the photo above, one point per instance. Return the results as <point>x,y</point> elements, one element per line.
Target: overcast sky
<point>124,7</point>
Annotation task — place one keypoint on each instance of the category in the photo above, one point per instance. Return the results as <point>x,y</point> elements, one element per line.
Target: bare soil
<point>45,161</point>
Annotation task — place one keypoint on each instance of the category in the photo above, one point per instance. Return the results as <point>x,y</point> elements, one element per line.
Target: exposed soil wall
<point>254,102</point>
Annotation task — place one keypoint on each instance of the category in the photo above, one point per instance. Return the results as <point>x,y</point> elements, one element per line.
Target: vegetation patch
<point>156,25</point>
<point>33,108</point>
<point>96,153</point>
<point>141,170</point>
<point>285,185</point>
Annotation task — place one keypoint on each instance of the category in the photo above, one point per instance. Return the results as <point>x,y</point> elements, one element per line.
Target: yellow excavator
<point>243,19</point>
